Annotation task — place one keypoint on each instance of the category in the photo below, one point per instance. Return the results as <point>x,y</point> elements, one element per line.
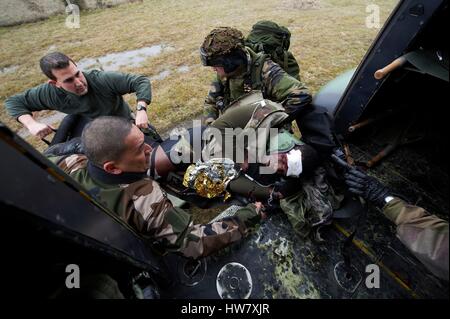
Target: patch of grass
<point>327,40</point>
<point>204,216</point>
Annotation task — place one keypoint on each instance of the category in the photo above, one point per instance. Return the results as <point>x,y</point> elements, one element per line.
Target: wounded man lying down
<point>114,168</point>
<point>293,179</point>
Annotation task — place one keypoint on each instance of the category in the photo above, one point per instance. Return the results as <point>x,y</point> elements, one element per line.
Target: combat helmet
<point>223,47</point>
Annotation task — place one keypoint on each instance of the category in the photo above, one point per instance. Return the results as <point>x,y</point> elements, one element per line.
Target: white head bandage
<point>294,162</point>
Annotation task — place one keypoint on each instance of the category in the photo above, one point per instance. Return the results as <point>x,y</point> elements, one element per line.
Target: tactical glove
<point>367,187</point>
<point>283,188</point>
<point>339,153</point>
<point>287,186</point>
<point>73,146</point>
<point>271,207</point>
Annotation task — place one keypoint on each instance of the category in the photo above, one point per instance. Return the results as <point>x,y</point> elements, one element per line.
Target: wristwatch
<point>387,199</point>
<point>141,107</point>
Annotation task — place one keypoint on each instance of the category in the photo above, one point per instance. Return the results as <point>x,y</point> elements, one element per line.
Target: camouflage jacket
<point>145,207</point>
<point>262,74</point>
<point>425,235</point>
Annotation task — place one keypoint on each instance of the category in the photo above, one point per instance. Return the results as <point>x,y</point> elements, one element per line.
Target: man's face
<point>70,79</point>
<point>278,163</point>
<point>220,71</point>
<point>136,156</point>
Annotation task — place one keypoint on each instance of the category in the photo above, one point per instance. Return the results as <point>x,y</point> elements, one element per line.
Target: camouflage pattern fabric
<point>267,77</point>
<point>425,235</point>
<point>312,206</point>
<point>146,208</point>
<point>222,40</point>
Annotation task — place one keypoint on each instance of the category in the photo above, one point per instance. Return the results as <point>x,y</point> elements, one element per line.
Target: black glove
<point>271,207</point>
<point>73,146</point>
<point>220,104</point>
<point>281,188</point>
<point>339,158</point>
<point>339,153</point>
<point>366,186</point>
<point>151,132</point>
<point>287,186</point>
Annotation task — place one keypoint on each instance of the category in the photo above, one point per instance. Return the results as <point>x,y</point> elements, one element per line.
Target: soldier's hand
<point>282,189</point>
<point>366,186</point>
<point>40,130</point>
<point>141,119</point>
<point>260,210</point>
<point>208,121</point>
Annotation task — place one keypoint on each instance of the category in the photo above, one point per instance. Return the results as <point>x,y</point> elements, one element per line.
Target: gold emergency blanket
<point>210,179</point>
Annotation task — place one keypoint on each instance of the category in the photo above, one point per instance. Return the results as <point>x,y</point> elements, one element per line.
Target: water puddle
<point>164,74</point>
<point>8,69</point>
<point>131,58</point>
<point>301,4</point>
<point>161,76</point>
<point>183,69</point>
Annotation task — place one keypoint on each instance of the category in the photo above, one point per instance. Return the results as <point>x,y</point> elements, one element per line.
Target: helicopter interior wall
<point>409,122</point>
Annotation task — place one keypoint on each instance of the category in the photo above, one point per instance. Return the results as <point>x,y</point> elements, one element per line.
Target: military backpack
<point>274,40</point>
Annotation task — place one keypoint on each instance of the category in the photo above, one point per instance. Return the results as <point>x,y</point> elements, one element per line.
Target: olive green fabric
<point>256,117</point>
<point>268,37</point>
<point>282,142</point>
<point>313,205</point>
<point>425,235</point>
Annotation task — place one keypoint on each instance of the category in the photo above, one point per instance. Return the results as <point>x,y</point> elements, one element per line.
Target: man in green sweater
<point>71,91</point>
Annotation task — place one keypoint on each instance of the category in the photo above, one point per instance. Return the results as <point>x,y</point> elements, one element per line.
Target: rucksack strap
<point>256,74</point>
<point>285,60</point>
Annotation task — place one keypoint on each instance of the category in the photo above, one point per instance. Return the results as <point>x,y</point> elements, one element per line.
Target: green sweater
<point>104,97</point>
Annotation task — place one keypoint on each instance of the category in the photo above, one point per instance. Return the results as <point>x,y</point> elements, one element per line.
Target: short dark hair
<point>54,60</point>
<point>103,138</point>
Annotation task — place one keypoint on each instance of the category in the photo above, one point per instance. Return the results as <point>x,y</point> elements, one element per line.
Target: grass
<point>327,40</point>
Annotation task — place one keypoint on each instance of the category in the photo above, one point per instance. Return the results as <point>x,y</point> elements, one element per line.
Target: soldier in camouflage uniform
<point>114,172</point>
<point>304,193</point>
<point>241,70</point>
<point>425,235</point>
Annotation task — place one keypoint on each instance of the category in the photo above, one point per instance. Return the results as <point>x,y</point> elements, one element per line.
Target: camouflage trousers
<point>313,205</point>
